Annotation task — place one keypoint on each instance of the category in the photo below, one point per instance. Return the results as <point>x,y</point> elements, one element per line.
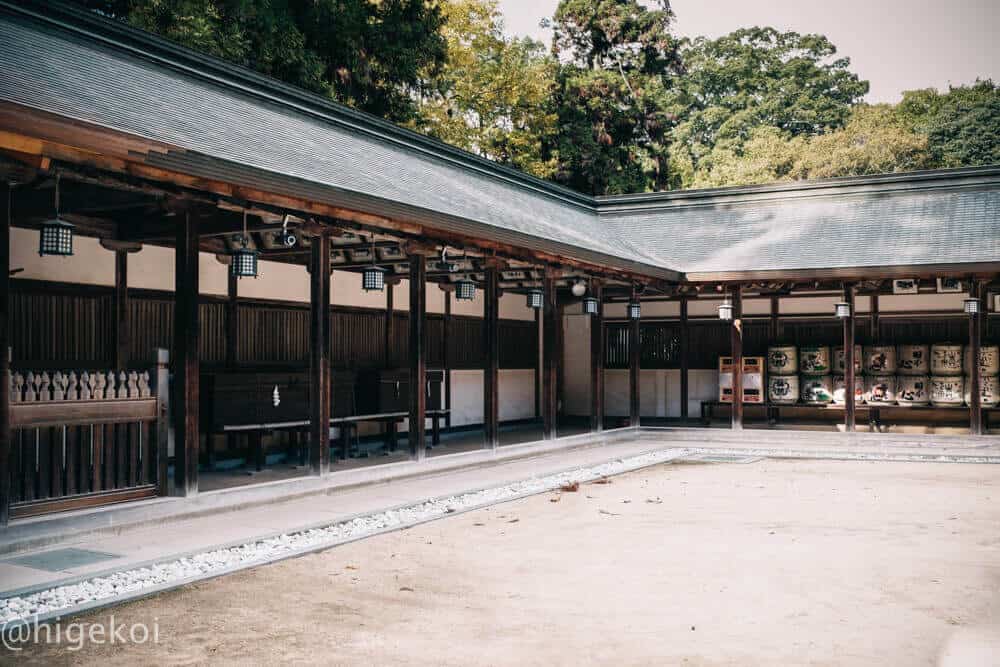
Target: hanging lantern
<point>465,290</point>
<point>842,310</point>
<point>590,305</point>
<point>244,263</point>
<point>634,310</point>
<point>726,311</point>
<point>373,279</point>
<point>535,298</point>
<point>971,306</point>
<point>579,288</point>
<point>56,236</point>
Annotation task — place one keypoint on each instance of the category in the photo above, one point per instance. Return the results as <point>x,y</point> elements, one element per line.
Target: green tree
<point>370,55</point>
<point>493,94</point>
<point>618,59</point>
<point>962,125</point>
<point>756,78</point>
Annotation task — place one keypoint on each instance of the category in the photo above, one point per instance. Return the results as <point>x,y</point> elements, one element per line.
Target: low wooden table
<point>347,426</point>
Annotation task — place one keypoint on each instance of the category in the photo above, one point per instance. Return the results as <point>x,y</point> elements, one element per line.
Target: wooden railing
<point>84,438</point>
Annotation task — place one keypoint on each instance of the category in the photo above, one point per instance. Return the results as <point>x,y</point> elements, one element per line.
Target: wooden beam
<point>597,348</point>
<point>232,319</point>
<point>319,356</point>
<point>849,408</point>
<point>685,352</point>
<point>5,431</point>
<point>975,344</point>
<point>491,367</point>
<point>550,362</point>
<point>736,340</point>
<point>122,344</point>
<point>185,357</point>
<point>634,362</point>
<point>418,359</point>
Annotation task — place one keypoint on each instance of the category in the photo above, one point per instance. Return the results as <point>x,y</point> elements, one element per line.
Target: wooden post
<point>446,341</point>
<point>539,363</point>
<point>597,358</point>
<point>121,310</point>
<point>390,318</point>
<point>774,328</point>
<point>162,380</point>
<point>319,355</point>
<point>975,343</point>
<point>685,351</point>
<point>849,421</point>
<point>418,363</point>
<point>5,431</point>
<point>491,367</point>
<point>737,354</point>
<point>635,359</point>
<point>873,315</point>
<point>550,362</point>
<point>232,321</point>
<point>187,433</point>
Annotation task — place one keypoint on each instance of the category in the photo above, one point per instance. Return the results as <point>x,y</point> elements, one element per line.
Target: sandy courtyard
<point>774,562</point>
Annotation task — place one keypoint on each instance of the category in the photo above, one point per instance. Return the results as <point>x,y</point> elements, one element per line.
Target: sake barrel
<point>989,395</point>
<point>783,360</point>
<point>913,390</point>
<point>783,389</point>
<point>840,366</point>
<point>989,360</point>
<point>913,359</point>
<point>840,390</point>
<point>946,359</point>
<point>880,389</point>
<point>816,390</point>
<point>947,390</point>
<point>880,360</point>
<point>814,360</point>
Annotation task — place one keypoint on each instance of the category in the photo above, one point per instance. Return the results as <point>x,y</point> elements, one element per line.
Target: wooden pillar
<point>446,341</point>
<point>539,362</point>
<point>975,343</point>
<point>597,349</point>
<point>873,315</point>
<point>5,431</point>
<point>232,321</point>
<point>491,367</point>
<point>418,363</point>
<point>319,355</point>
<point>685,351</point>
<point>121,310</point>
<point>187,367</point>
<point>774,328</point>
<point>635,357</point>
<point>550,361</point>
<point>849,420</point>
<point>737,354</point>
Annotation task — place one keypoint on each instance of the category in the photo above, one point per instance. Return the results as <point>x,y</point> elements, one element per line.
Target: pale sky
<point>896,45</point>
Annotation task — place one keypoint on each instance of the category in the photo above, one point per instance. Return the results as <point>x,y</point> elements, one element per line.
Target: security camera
<point>287,239</point>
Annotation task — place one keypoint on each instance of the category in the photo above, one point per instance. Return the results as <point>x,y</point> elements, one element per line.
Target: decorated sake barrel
<point>840,390</point>
<point>814,360</point>
<point>783,360</point>
<point>913,360</point>
<point>913,390</point>
<point>783,389</point>
<point>989,360</point>
<point>880,389</point>
<point>880,360</point>
<point>839,363</point>
<point>947,390</point>
<point>816,390</point>
<point>990,394</point>
<point>946,359</point>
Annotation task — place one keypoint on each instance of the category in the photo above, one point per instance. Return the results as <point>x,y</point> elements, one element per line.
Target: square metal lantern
<point>590,305</point>
<point>244,263</point>
<point>842,310</point>
<point>373,279</point>
<point>535,298</point>
<point>465,290</point>
<point>634,310</point>
<point>55,238</point>
<point>726,312</point>
<point>972,306</point>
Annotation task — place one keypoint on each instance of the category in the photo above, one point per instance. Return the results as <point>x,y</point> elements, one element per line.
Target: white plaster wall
<point>517,396</point>
<point>91,264</point>
<point>897,302</point>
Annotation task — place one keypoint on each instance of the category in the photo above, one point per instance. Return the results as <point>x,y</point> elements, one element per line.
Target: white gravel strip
<point>128,584</point>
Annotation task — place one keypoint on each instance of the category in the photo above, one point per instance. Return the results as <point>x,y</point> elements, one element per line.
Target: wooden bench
<point>773,411</point>
<point>348,427</point>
